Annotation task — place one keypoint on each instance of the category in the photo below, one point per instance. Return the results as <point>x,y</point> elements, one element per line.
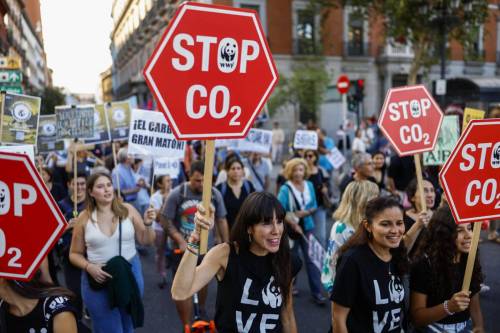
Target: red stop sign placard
<point>212,71</point>
<point>410,119</point>
<point>471,175</point>
<point>30,220</point>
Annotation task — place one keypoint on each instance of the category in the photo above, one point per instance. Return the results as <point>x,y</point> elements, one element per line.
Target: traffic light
<point>352,104</point>
<point>359,88</point>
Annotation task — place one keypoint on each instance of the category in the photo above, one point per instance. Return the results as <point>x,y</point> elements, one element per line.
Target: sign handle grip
<point>472,256</point>
<point>207,190</point>
<point>420,183</point>
<point>113,149</point>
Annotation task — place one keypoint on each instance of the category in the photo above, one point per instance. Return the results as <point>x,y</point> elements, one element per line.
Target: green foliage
<point>303,90</point>
<point>51,97</point>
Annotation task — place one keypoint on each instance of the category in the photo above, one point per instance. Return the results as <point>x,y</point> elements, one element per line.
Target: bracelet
<point>148,224</point>
<point>447,310</point>
<point>195,252</point>
<point>195,245</point>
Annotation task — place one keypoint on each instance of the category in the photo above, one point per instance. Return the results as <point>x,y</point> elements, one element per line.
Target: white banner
<point>316,252</point>
<point>335,158</point>
<point>305,140</point>
<point>150,134</point>
<point>167,166</point>
<point>257,141</point>
<point>21,149</point>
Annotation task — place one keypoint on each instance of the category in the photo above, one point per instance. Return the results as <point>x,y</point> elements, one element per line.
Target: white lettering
<point>468,157</point>
<point>378,326</point>
<point>244,295</point>
<point>483,147</point>
<point>19,200</point>
<point>239,322</point>
<point>395,319</point>
<point>205,58</point>
<point>393,112</point>
<point>378,298</point>
<point>264,325</point>
<point>468,201</point>
<point>188,56</point>
<point>190,101</point>
<point>246,56</point>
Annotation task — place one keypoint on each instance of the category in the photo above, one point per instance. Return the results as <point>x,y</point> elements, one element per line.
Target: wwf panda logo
<point>119,115</point>
<point>495,156</point>
<point>415,108</point>
<point>396,290</point>
<point>4,198</point>
<point>228,55</point>
<point>49,129</point>
<point>21,112</point>
<point>271,294</point>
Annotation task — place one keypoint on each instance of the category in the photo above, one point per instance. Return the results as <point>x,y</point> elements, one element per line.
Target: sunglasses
<point>310,156</point>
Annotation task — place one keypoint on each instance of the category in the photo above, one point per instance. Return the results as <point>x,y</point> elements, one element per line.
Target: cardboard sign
<point>47,134</point>
<point>447,139</point>
<point>167,166</point>
<point>19,119</point>
<point>257,140</point>
<point>316,252</point>
<point>335,158</point>
<point>470,114</point>
<point>101,126</point>
<point>150,134</point>
<point>119,120</point>
<point>28,150</point>
<point>75,121</point>
<point>305,140</point>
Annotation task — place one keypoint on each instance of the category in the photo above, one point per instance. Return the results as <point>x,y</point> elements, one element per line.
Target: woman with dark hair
<point>253,270</point>
<point>415,219</point>
<point>107,229</point>
<point>235,189</point>
<point>437,302</point>
<point>368,293</point>
<point>320,180</point>
<point>35,306</point>
<point>379,169</point>
<point>162,184</point>
<point>56,190</point>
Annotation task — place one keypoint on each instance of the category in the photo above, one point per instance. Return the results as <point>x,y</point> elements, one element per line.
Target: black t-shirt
<point>318,180</point>
<point>41,318</point>
<point>369,287</point>
<point>248,300</point>
<point>402,171</point>
<point>409,222</point>
<point>421,281</point>
<point>232,203</point>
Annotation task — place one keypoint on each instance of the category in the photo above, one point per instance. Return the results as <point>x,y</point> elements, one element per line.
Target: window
<point>259,6</point>
<point>475,49</point>
<point>305,32</point>
<point>355,33</point>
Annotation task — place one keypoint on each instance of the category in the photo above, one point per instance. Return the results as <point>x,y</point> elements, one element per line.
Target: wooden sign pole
<point>75,173</point>
<point>476,232</point>
<point>420,184</point>
<point>116,164</point>
<point>207,190</point>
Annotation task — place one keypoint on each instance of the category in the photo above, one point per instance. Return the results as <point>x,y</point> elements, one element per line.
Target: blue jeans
<point>313,274</point>
<point>320,226</point>
<point>104,318</point>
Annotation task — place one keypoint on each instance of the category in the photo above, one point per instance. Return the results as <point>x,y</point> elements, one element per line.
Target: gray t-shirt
<point>181,207</point>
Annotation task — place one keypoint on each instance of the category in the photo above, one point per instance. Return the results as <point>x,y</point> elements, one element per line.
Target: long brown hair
<point>119,210</point>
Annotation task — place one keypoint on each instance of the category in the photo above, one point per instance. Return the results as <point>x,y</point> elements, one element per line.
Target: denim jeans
<point>464,327</point>
<point>313,274</point>
<point>104,318</point>
<point>320,225</point>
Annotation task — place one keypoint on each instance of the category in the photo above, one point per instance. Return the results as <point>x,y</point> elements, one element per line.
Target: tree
<point>418,22</point>
<point>303,91</point>
<point>51,97</point>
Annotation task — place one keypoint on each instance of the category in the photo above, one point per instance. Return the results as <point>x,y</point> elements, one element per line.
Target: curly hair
<point>439,246</point>
<point>375,207</point>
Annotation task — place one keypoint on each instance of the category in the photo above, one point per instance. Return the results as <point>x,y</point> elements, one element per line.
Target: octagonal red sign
<point>410,119</point>
<point>471,175</point>
<point>30,220</point>
<point>212,71</point>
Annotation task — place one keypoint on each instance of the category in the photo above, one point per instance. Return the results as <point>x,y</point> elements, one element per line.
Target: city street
<point>161,315</point>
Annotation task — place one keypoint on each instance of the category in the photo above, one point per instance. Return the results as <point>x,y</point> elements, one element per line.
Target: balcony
<point>356,49</point>
<point>305,46</point>
<point>397,50</point>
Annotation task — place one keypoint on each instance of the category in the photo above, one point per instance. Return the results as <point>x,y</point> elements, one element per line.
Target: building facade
<point>106,86</point>
<point>348,45</point>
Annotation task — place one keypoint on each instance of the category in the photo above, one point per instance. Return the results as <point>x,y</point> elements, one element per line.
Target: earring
<point>249,238</point>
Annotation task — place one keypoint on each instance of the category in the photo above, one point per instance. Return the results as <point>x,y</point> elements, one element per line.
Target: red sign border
<point>472,123</point>
<point>343,78</point>
<point>53,206</point>
<point>384,107</point>
<point>165,38</point>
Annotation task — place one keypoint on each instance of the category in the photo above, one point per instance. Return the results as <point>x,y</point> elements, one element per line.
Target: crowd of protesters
<point>381,254</point>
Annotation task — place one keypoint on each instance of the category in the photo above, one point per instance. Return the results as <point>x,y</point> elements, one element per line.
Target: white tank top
<point>101,248</point>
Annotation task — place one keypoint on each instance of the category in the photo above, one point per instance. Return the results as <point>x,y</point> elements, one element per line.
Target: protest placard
<point>447,139</point>
<point>257,140</point>
<point>167,166</point>
<point>150,134</point>
<point>469,114</point>
<point>47,135</point>
<point>305,140</point>
<point>316,252</point>
<point>118,119</point>
<point>101,126</point>
<point>335,158</point>
<point>19,119</point>
<point>20,149</point>
<point>74,121</point>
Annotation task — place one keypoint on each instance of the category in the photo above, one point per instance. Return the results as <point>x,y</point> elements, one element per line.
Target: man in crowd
<point>362,165</point>
<point>259,172</point>
<point>177,218</point>
<point>124,178</point>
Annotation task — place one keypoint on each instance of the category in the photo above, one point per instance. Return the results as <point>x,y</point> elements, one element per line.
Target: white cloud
<point>77,38</point>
